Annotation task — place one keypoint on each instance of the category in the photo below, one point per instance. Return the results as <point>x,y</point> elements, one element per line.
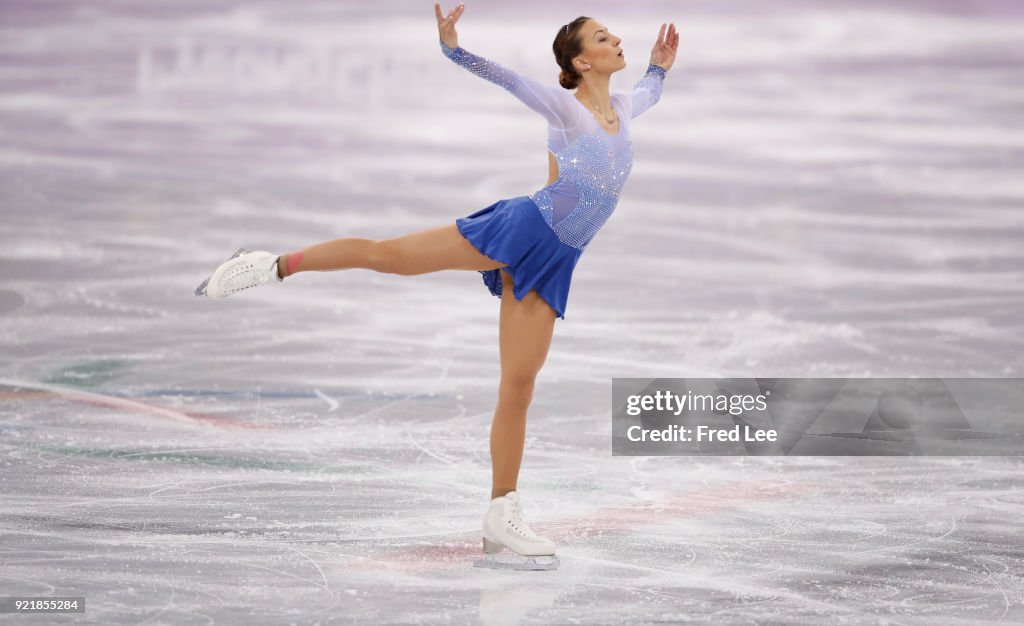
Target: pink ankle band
<point>293,261</point>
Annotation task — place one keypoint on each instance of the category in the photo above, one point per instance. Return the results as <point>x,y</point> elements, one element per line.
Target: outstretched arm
<point>542,99</point>
<point>548,101</point>
<point>647,91</point>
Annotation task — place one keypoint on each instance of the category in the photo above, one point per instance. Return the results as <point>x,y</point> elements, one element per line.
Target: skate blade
<point>527,563</point>
<point>201,289</point>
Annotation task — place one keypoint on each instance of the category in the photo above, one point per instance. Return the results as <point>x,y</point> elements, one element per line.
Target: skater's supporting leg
<point>430,250</point>
<point>524,336</point>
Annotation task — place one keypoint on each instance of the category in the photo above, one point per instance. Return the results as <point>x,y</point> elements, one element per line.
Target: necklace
<point>610,120</point>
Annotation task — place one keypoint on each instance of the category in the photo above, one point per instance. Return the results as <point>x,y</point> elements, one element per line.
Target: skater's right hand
<point>446,25</point>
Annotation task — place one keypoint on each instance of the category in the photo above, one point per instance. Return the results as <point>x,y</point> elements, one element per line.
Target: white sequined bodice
<point>593,165</point>
<point>591,173</point>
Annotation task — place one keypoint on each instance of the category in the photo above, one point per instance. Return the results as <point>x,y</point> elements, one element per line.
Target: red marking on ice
<point>626,518</point>
<point>610,521</point>
<point>96,399</point>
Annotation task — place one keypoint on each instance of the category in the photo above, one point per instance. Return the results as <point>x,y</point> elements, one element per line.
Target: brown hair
<point>566,47</point>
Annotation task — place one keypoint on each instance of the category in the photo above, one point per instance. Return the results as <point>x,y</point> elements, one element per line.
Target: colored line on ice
<point>130,454</point>
<point>212,393</point>
<point>99,399</point>
<point>604,523</point>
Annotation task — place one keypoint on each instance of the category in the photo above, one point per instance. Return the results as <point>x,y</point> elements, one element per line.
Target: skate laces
<point>518,524</point>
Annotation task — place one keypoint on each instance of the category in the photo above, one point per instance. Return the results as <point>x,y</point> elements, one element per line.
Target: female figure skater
<point>525,247</point>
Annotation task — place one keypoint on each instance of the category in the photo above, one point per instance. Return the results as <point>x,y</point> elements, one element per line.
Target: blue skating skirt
<point>514,232</point>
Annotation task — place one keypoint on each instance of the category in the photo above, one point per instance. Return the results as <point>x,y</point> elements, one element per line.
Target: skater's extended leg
<point>430,250</point>
<point>524,337</point>
<point>327,256</point>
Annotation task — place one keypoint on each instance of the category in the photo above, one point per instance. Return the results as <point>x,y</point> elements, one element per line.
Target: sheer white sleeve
<point>646,92</point>
<point>548,101</point>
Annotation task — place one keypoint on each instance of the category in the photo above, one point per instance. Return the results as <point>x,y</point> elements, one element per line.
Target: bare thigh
<point>524,337</point>
<point>431,250</point>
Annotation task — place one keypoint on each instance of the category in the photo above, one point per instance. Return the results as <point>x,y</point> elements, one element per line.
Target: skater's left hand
<point>664,51</point>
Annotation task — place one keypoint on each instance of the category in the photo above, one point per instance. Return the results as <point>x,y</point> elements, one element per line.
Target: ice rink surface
<point>825,189</point>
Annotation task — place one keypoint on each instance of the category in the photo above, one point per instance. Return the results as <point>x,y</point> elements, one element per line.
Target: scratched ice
<point>825,189</point>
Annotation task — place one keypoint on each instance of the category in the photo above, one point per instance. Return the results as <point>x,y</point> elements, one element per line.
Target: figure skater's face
<point>600,48</point>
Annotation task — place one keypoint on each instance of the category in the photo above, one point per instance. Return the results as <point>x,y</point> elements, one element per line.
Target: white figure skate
<point>504,528</point>
<point>244,269</point>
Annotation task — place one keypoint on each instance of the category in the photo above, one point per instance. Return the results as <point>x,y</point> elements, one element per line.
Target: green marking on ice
<point>88,374</point>
<point>231,462</point>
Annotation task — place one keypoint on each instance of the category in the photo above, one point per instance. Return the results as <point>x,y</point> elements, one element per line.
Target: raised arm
<point>548,101</point>
<point>647,91</point>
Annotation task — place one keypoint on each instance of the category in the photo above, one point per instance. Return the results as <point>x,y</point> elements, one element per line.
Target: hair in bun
<point>566,47</point>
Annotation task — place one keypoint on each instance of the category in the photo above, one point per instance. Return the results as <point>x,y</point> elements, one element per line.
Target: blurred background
<point>825,189</point>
